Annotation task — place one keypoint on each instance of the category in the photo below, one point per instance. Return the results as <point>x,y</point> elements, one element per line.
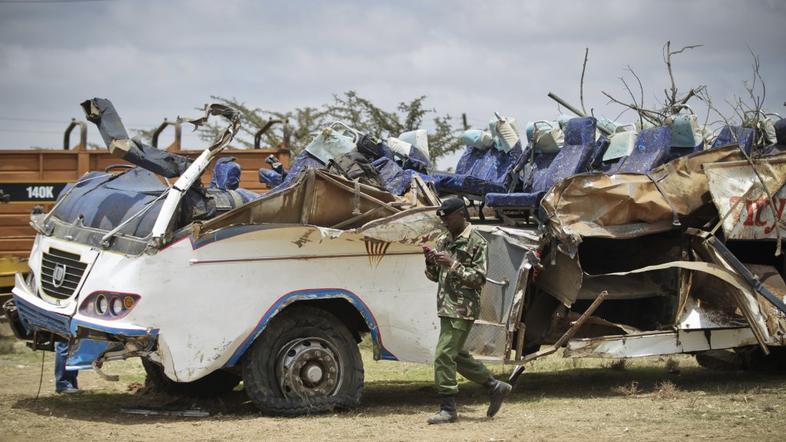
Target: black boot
<point>497,392</point>
<point>447,412</point>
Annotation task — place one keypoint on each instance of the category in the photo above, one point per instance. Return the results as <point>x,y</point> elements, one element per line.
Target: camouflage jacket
<point>458,295</point>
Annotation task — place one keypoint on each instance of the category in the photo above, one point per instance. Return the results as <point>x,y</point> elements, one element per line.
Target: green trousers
<point>451,356</point>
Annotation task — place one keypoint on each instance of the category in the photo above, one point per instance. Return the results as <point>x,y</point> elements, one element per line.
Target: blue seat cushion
<point>518,199</point>
<point>465,184</point>
<point>580,131</point>
<point>247,195</point>
<point>651,150</point>
<point>601,144</point>
<point>417,160</point>
<point>470,156</point>
<point>226,174</point>
<point>270,177</point>
<point>569,161</point>
<point>394,177</point>
<point>480,171</point>
<point>302,162</point>
<point>735,135</point>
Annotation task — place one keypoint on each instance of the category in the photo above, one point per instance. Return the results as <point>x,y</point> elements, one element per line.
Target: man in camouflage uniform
<point>458,264</point>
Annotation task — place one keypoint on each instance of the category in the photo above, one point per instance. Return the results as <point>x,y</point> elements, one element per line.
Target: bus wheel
<point>305,362</point>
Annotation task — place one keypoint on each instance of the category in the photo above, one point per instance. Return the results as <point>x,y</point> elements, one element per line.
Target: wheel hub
<point>312,373</point>
<point>307,368</point>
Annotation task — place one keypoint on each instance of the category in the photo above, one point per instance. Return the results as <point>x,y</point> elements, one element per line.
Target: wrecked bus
<point>277,292</point>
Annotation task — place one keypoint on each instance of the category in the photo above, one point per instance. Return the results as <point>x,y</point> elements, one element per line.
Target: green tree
<point>297,126</point>
<point>365,116</point>
<point>289,129</point>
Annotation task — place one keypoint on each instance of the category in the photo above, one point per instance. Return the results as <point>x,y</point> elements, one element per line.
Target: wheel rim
<point>308,368</point>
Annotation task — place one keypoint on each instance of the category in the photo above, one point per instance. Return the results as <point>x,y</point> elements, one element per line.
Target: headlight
<point>101,305</point>
<point>108,305</point>
<point>128,302</point>
<point>117,306</point>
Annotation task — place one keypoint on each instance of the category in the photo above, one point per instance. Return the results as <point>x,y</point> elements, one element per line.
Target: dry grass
<point>665,390</point>
<point>8,342</point>
<point>6,346</point>
<point>629,389</point>
<point>616,364</point>
<point>552,401</point>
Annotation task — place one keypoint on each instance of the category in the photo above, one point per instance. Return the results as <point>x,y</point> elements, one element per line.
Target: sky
<point>157,59</point>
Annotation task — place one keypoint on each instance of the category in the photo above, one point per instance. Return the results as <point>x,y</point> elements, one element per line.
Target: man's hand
<point>443,259</point>
<point>429,253</point>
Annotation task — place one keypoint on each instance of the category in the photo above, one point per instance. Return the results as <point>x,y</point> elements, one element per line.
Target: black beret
<point>449,206</point>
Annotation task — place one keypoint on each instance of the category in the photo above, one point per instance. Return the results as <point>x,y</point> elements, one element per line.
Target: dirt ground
<point>555,399</point>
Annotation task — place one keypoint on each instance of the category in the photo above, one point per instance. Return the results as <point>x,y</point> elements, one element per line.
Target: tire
<point>720,360</point>
<point>217,383</point>
<point>756,360</point>
<point>305,362</point>
<point>747,358</point>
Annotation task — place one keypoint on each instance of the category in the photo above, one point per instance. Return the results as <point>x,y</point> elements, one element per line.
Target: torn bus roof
<point>334,203</point>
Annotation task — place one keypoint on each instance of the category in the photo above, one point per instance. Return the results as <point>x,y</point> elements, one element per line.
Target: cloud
<point>163,59</point>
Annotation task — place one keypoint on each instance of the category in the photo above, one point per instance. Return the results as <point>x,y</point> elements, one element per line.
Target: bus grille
<point>60,273</point>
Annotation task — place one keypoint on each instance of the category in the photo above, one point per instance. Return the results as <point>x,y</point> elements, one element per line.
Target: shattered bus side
<point>647,243</point>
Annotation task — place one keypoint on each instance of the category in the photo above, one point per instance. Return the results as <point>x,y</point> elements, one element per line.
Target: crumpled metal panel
<point>630,205</point>
<point>411,226</point>
<point>772,280</point>
<point>102,113</point>
<point>329,201</point>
